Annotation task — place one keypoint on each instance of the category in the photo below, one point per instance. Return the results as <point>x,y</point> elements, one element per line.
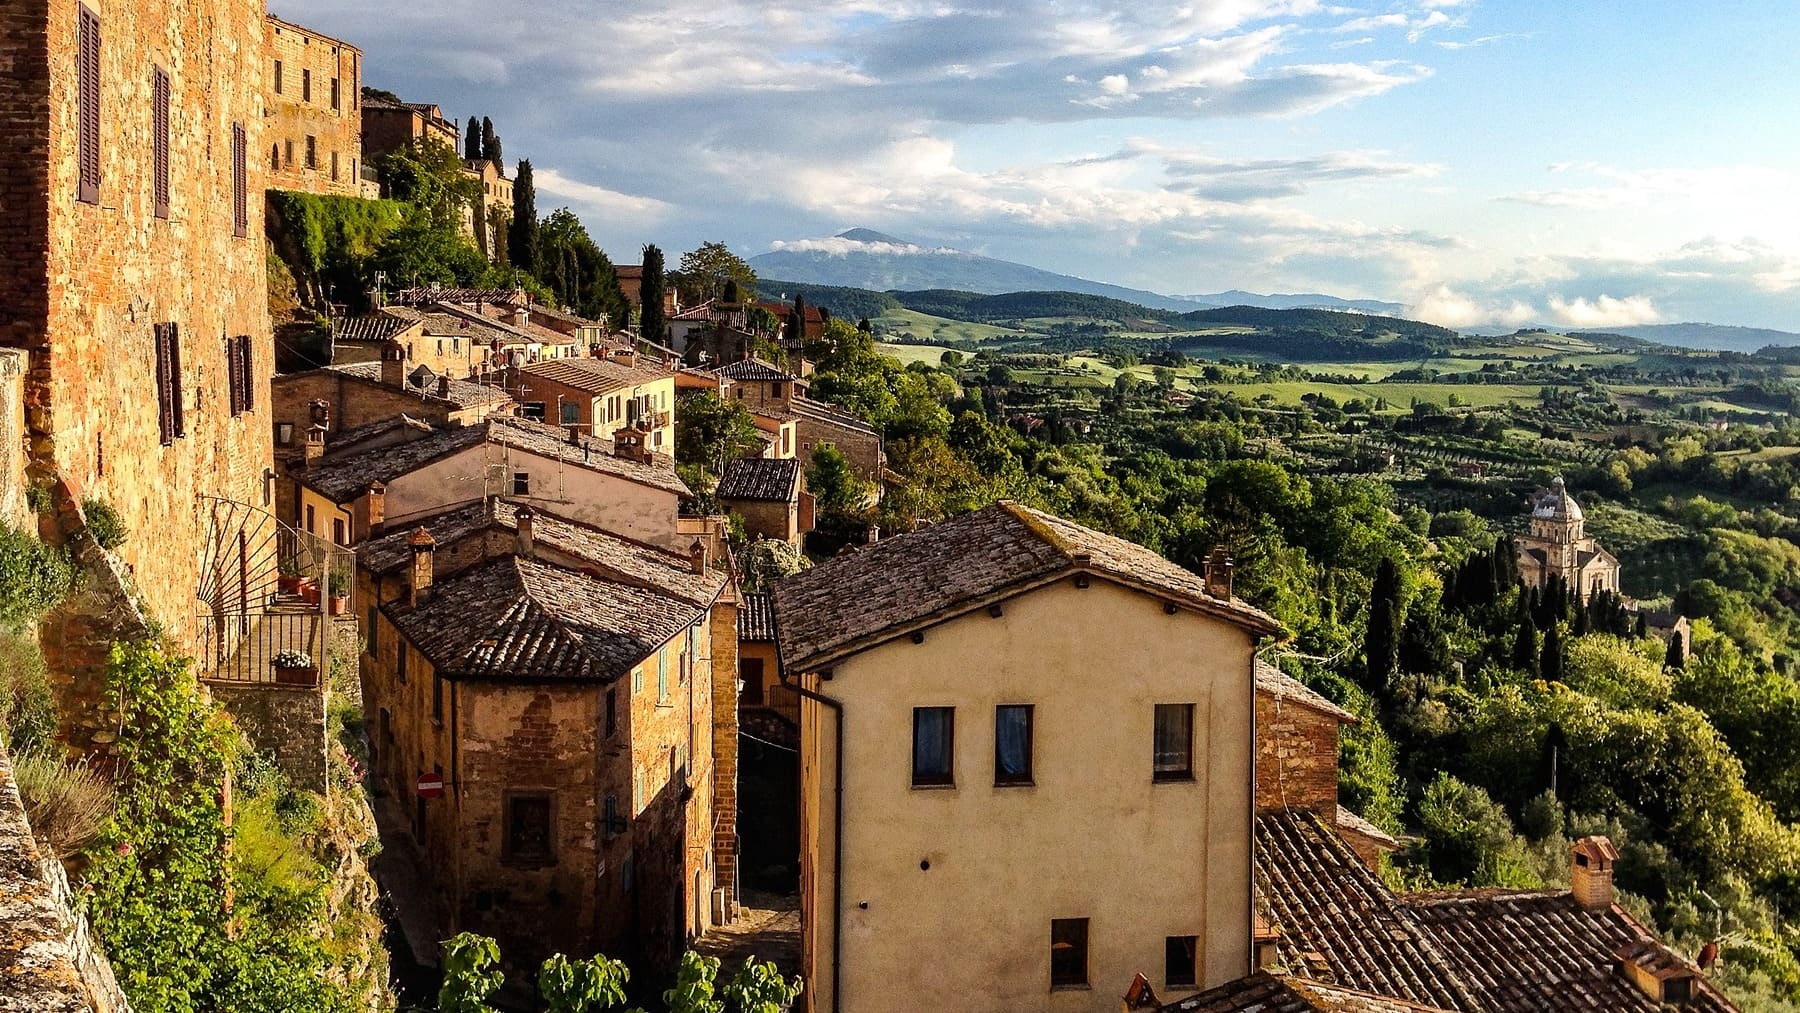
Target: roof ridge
<point>1038,527</point>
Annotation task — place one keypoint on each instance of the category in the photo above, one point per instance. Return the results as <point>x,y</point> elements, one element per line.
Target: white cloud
<point>599,198</point>
<point>1447,307</point>
<point>1604,311</point>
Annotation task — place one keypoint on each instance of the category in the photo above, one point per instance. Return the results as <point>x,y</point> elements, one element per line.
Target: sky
<point>1488,163</point>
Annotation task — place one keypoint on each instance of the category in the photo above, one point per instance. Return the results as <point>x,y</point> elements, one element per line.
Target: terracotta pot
<point>340,603</point>
<point>287,584</point>
<point>302,676</point>
<point>309,590</point>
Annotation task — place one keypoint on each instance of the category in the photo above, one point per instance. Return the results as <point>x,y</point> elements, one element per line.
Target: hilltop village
<point>411,607</point>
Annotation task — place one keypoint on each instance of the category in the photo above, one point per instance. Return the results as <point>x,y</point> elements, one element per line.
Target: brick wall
<point>293,117</point>
<point>1296,756</point>
<point>285,722</point>
<point>724,665</point>
<point>765,519</point>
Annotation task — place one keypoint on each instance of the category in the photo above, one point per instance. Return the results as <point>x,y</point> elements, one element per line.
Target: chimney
<point>393,364</point>
<point>625,356</point>
<point>1218,573</point>
<point>697,557</point>
<point>321,413</point>
<point>521,317</point>
<point>315,446</point>
<point>422,544</point>
<point>1591,873</point>
<point>628,443</point>
<point>527,539</point>
<point>444,387</point>
<point>373,509</point>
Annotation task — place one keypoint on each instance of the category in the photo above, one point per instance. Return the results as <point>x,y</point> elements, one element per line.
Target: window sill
<point>1084,987</point>
<point>1187,778</point>
<point>1015,784</point>
<point>950,786</point>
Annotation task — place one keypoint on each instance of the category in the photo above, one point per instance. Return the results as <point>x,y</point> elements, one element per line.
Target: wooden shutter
<point>248,364</point>
<point>234,375</point>
<point>159,142</point>
<point>240,191</point>
<point>168,383</point>
<point>87,74</point>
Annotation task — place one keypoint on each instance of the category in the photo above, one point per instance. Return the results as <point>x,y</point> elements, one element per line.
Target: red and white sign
<point>430,785</point>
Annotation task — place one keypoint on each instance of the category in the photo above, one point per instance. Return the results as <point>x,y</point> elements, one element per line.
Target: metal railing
<point>255,648</point>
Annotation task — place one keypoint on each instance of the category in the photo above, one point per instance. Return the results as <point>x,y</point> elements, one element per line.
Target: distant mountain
<point>1710,336</point>
<point>866,259</point>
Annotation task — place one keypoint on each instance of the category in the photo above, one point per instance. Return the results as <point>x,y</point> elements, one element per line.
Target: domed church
<point>1558,545</point>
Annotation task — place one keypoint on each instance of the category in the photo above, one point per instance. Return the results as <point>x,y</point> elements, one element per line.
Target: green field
<point>1398,395</point>
<point>930,355</point>
<point>930,328</point>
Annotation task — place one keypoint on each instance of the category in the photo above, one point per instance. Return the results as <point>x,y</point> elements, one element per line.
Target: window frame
<point>1069,926</point>
<point>521,483</point>
<point>1158,772</point>
<point>1027,778</point>
<point>935,779</point>
<point>750,673</point>
<point>240,181</point>
<point>510,853</point>
<point>171,424</point>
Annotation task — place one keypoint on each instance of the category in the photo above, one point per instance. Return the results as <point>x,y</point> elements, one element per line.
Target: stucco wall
<point>1094,837</point>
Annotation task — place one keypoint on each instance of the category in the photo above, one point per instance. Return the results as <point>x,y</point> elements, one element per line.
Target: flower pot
<point>287,584</point>
<point>309,590</point>
<point>339,604</point>
<point>296,676</point>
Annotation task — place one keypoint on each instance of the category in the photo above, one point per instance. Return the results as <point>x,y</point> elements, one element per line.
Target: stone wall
<point>15,506</point>
<point>724,665</point>
<point>1296,757</point>
<point>336,129</point>
<point>863,449</point>
<point>285,722</point>
<point>48,961</point>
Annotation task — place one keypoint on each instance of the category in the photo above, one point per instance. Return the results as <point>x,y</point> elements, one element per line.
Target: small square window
<point>1069,953</point>
<point>1180,966</point>
<point>1174,746</point>
<point>1012,744</point>
<point>934,746</point>
<point>528,825</point>
<point>521,484</point>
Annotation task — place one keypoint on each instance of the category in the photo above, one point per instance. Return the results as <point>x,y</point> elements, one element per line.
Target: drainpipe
<point>837,835</point>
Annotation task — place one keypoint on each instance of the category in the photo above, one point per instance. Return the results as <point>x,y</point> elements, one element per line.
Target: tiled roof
<point>369,327</point>
<point>525,619</point>
<point>343,478</point>
<point>699,311</point>
<point>756,618</point>
<point>345,439</point>
<point>612,556</point>
<point>427,295</point>
<point>760,479</point>
<point>753,369</point>
<point>1263,992</point>
<point>628,270</point>
<point>1338,923</point>
<point>1279,684</point>
<point>783,310</point>
<point>462,394</point>
<point>1349,821</point>
<point>597,375</point>
<point>1527,951</point>
<point>829,414</point>
<point>875,593</point>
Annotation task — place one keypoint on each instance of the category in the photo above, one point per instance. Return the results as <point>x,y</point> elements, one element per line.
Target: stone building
<point>132,273</point>
<point>492,209</point>
<point>770,495</point>
<point>389,126</point>
<point>1558,546</point>
<point>778,399</point>
<point>314,138</point>
<point>566,685</point>
<point>600,394</point>
<point>1078,713</point>
<point>368,393</point>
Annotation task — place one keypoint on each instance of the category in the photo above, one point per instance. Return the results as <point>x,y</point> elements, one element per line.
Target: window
<point>637,681</point>
<point>374,642</point>
<point>1069,953</point>
<point>1180,968</point>
<point>274,157</point>
<point>312,151</point>
<point>521,483</point>
<point>1174,760</point>
<point>310,528</point>
<point>168,383</point>
<point>337,531</point>
<point>159,143</point>
<point>612,716</point>
<point>750,672</point>
<point>533,410</point>
<point>437,698</point>
<point>1012,744</point>
<point>239,374</point>
<point>528,828</point>
<point>277,77</point>
<point>289,160</point>
<point>400,666</point>
<point>611,821</point>
<point>336,101</point>
<point>87,73</point>
<point>662,675</point>
<point>934,741</point>
<point>570,412</point>
<point>284,434</point>
<point>334,165</point>
<point>240,185</point>
<point>305,85</point>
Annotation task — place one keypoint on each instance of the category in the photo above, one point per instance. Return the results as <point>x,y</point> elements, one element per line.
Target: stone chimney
<point>320,411</point>
<point>521,317</point>
<point>628,443</point>
<point>527,538</point>
<point>697,556</point>
<point>1591,872</point>
<point>315,446</point>
<point>625,356</point>
<point>443,389</point>
<point>1218,573</point>
<point>422,545</point>
<point>373,510</point>
<point>393,364</point>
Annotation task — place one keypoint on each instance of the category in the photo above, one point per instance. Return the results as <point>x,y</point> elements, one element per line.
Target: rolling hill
<point>1711,336</point>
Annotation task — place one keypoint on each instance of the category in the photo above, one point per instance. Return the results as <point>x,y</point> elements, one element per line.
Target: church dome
<point>1555,504</point>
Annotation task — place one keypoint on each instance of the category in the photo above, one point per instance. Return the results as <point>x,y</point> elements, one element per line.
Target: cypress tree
<point>1381,643</point>
<point>1525,645</point>
<point>1550,666</point>
<point>651,325</point>
<point>1583,621</point>
<point>1677,653</point>
<point>1643,626</point>
<point>797,321</point>
<point>490,141</point>
<point>472,141</point>
<point>522,235</point>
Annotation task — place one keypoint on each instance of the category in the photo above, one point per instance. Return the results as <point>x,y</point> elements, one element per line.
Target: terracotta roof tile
<point>422,383</point>
<point>760,479</point>
<point>756,618</point>
<point>753,369</point>
<point>597,375</point>
<point>863,598</point>
<point>1279,684</point>
<point>1263,992</point>
<point>379,325</point>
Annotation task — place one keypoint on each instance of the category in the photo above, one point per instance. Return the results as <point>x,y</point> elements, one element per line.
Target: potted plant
<point>294,668</point>
<point>338,586</point>
<point>289,580</point>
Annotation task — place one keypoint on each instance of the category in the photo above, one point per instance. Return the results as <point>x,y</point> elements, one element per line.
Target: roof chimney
<point>444,386</point>
<point>1218,573</point>
<point>527,541</point>
<point>697,557</point>
<point>521,317</point>
<point>1591,872</point>
<point>321,412</point>
<point>393,363</point>
<point>373,510</point>
<point>628,443</point>
<point>315,446</point>
<point>422,544</point>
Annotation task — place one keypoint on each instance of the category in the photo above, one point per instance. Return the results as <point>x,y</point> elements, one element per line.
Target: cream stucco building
<point>1558,546</point>
<point>1037,742</point>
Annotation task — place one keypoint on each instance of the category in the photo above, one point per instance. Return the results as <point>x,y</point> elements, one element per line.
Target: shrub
<point>67,803</point>
<point>105,524</point>
<point>34,577</point>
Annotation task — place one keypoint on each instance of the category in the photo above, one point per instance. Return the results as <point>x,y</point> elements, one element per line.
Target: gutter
<point>837,833</point>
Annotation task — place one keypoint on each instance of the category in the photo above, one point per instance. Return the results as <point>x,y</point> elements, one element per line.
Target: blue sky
<point>1486,163</point>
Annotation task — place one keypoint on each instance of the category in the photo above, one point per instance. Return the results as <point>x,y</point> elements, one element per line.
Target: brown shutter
<point>175,406</point>
<point>166,384</point>
<point>87,74</point>
<point>240,192</point>
<point>248,365</point>
<point>234,376</point>
<point>159,142</point>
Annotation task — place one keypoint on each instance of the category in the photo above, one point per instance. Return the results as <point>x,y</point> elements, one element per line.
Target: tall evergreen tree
<point>1583,620</point>
<point>1525,645</point>
<point>1381,642</point>
<point>490,141</point>
<point>1676,656</point>
<point>1643,627</point>
<point>651,323</point>
<point>1550,665</point>
<point>472,141</point>
<point>522,237</point>
<point>797,321</point>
